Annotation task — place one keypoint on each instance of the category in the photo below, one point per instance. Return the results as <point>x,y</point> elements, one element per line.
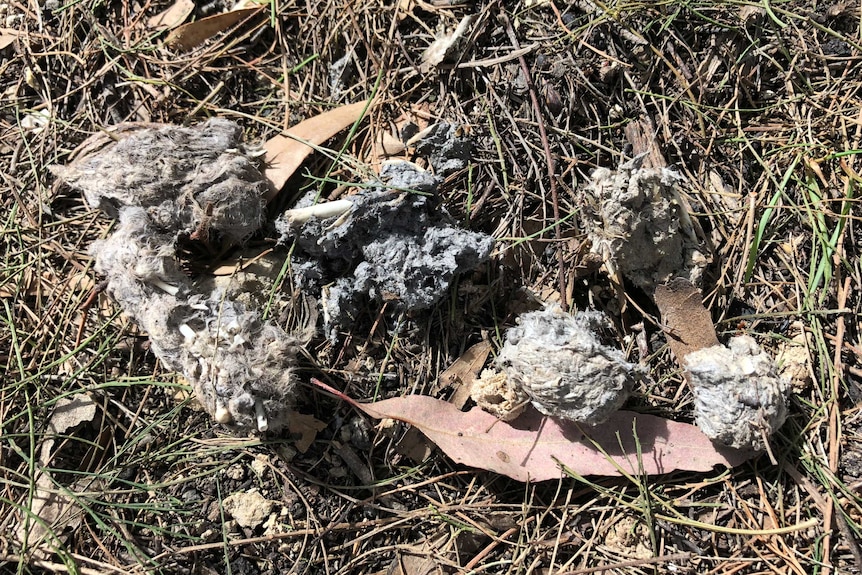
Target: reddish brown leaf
<point>459,376</point>
<point>193,34</point>
<point>687,322</point>
<point>532,447</point>
<point>285,153</point>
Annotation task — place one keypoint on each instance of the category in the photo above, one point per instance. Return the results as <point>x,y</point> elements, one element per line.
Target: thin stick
<point>834,429</point>
<point>548,158</point>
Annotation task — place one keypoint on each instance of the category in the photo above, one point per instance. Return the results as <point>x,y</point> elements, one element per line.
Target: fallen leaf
<point>306,426</point>
<point>55,510</point>
<point>461,374</point>
<point>30,284</point>
<point>285,152</point>
<point>639,133</point>
<point>688,324</point>
<point>416,560</point>
<point>193,34</point>
<point>68,413</point>
<point>173,16</point>
<point>533,447</point>
<point>8,37</point>
<point>385,146</point>
<point>414,446</point>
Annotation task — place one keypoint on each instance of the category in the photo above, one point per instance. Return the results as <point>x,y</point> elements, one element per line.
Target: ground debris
<point>250,509</point>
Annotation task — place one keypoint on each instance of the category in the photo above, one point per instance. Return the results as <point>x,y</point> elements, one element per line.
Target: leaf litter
<point>534,447</point>
<point>188,36</point>
<point>53,512</point>
<point>285,153</point>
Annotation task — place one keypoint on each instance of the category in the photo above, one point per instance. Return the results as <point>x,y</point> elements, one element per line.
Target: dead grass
<point>758,105</point>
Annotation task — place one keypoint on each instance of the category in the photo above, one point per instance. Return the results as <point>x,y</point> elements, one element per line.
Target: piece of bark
<point>686,322</point>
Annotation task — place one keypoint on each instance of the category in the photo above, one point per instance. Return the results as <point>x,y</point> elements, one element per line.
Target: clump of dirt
<point>395,243</point>
<point>739,398</point>
<point>249,509</point>
<point>558,360</point>
<point>200,185</point>
<point>638,224</point>
<point>493,393</point>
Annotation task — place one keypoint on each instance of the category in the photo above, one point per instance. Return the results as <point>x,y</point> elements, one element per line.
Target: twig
<point>85,307</point>
<point>549,160</point>
<point>834,430</point>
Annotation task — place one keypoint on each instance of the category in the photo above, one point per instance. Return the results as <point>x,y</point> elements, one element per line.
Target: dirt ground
<point>757,105</point>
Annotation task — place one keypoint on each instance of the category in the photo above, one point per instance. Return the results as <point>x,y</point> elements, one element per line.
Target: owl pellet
<point>163,184</point>
<point>638,223</point>
<point>739,398</point>
<point>558,360</point>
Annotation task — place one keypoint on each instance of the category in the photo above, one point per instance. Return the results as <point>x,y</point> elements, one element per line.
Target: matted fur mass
<point>171,182</point>
<point>558,360</point>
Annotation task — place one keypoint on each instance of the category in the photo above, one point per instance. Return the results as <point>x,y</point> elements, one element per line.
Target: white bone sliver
<point>321,211</point>
<point>222,415</point>
<point>262,423</point>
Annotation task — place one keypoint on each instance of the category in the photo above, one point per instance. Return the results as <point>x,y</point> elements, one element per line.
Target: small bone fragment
<point>165,287</point>
<point>221,415</point>
<point>187,332</point>
<point>262,423</point>
<point>322,211</point>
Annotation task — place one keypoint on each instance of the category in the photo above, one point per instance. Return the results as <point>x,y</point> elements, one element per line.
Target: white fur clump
<point>165,184</point>
<point>739,398</point>
<point>638,223</point>
<point>559,362</point>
